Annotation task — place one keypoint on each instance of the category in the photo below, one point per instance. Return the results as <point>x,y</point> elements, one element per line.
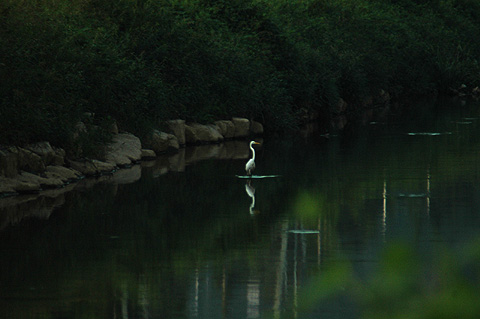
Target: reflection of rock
<point>87,183</point>
<point>177,128</point>
<point>161,142</point>
<point>161,167</point>
<point>241,150</point>
<point>124,150</point>
<point>242,126</point>
<point>177,161</point>
<point>128,175</point>
<point>202,152</point>
<point>226,128</point>
<point>234,150</point>
<point>15,209</point>
<point>10,185</point>
<point>92,167</point>
<point>41,181</point>
<point>149,163</point>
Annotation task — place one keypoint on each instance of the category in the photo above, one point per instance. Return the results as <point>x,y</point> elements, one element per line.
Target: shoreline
<point>41,167</point>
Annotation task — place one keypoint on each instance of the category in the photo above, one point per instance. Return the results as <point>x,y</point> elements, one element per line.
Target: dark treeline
<point>143,61</point>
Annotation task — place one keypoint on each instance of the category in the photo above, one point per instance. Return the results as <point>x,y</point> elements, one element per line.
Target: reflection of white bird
<point>251,192</point>
<point>250,166</point>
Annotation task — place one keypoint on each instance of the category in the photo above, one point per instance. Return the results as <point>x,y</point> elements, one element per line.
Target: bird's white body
<point>250,166</point>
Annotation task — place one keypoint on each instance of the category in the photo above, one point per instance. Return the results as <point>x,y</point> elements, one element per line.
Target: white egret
<point>250,166</point>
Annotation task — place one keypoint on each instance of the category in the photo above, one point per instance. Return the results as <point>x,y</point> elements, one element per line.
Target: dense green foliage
<point>144,61</point>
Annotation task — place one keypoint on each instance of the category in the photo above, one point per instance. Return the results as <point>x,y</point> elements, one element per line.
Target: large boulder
<point>65,174</point>
<point>196,133</point>
<point>59,158</point>
<point>44,150</point>
<point>242,127</point>
<point>9,162</point>
<point>6,186</point>
<point>177,128</point>
<point>191,136</point>
<point>226,128</point>
<point>161,142</point>
<point>29,161</point>
<point>124,150</point>
<point>256,128</point>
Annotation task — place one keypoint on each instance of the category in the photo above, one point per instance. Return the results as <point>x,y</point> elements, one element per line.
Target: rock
<point>44,150</point>
<point>29,161</point>
<point>148,154</point>
<point>6,187</point>
<point>113,128</point>
<point>177,128</point>
<point>226,128</point>
<point>65,174</point>
<point>215,135</point>
<point>9,162</point>
<point>27,177</point>
<point>191,135</point>
<point>92,167</point>
<point>161,142</point>
<point>195,133</point>
<point>79,129</point>
<point>59,158</point>
<point>242,127</point>
<point>124,150</point>
<point>256,128</point>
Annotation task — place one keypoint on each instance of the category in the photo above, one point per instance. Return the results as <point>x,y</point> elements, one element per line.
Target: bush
<point>142,62</point>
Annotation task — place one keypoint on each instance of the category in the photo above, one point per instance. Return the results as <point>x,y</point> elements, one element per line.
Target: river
<point>182,237</point>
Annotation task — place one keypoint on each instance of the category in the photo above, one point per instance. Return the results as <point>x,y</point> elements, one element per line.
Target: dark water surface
<point>188,240</point>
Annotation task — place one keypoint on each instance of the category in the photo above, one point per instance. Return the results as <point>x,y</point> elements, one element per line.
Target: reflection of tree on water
<point>251,193</point>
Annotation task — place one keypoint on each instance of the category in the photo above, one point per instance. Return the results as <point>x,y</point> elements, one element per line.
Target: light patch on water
<point>428,133</point>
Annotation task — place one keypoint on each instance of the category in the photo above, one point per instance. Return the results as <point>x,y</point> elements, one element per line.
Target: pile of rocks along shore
<point>41,166</point>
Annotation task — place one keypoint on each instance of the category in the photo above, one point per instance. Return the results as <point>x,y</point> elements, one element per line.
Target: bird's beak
<point>256,143</point>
